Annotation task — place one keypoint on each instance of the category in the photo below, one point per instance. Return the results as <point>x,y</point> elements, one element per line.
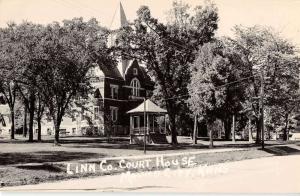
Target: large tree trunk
<point>172,121</point>
<point>195,133</point>
<point>31,117</point>
<point>25,122</point>
<point>12,129</point>
<point>39,136</point>
<point>31,120</point>
<point>227,128</point>
<point>56,127</point>
<point>250,131</point>
<point>285,131</point>
<point>211,140</point>
<point>233,128</point>
<point>173,129</point>
<point>258,131</point>
<point>56,137</point>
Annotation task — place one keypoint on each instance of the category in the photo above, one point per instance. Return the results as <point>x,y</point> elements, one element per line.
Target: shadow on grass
<point>44,156</point>
<point>70,140</point>
<point>159,147</point>
<point>282,150</point>
<point>45,167</point>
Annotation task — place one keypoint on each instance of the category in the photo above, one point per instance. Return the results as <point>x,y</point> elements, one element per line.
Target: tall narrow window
<point>114,91</point>
<point>114,113</point>
<point>96,112</point>
<point>135,86</point>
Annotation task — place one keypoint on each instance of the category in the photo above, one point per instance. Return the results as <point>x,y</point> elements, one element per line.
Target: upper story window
<point>135,86</point>
<point>114,91</point>
<point>114,113</point>
<point>96,112</point>
<point>135,71</point>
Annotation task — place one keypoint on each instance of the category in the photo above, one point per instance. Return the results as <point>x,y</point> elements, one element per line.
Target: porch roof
<point>150,108</point>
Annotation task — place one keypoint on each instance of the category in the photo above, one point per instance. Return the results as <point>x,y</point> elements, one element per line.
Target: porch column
<point>131,124</point>
<point>153,123</point>
<point>148,123</point>
<point>130,128</point>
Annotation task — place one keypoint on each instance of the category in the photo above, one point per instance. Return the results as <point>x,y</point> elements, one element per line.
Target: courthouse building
<point>116,90</point>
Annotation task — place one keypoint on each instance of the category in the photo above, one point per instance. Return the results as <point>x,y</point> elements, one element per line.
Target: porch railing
<point>141,130</point>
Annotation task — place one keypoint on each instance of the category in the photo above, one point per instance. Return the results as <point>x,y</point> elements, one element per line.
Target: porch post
<point>153,123</point>
<point>131,124</point>
<point>148,123</point>
<point>130,128</point>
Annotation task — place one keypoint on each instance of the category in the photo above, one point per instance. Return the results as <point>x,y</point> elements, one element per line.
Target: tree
<point>21,60</point>
<point>283,93</point>
<point>168,50</point>
<point>40,110</point>
<point>8,84</point>
<point>215,90</point>
<point>69,51</point>
<point>264,51</point>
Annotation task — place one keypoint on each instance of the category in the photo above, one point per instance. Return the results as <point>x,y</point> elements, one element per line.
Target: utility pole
<point>145,131</point>
<point>262,109</point>
<point>233,129</point>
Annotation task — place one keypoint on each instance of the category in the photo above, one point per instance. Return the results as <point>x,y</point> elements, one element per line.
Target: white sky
<point>282,15</point>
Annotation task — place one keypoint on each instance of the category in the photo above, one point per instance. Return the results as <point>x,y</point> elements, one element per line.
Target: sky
<point>282,15</point>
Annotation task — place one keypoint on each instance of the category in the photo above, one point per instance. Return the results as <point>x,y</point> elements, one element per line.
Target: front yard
<point>30,163</point>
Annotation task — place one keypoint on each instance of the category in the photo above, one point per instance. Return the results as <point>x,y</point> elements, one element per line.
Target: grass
<point>30,163</point>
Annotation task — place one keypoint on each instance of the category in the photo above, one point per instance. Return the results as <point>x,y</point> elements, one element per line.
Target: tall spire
<point>119,19</point>
<point>123,18</point>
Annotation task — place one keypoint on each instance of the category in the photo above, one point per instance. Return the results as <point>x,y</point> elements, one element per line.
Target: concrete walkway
<point>277,174</point>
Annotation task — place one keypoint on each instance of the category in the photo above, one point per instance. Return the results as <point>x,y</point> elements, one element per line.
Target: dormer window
<point>135,86</point>
<point>135,71</point>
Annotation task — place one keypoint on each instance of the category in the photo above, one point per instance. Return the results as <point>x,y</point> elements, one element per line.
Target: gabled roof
<point>150,108</point>
<point>147,78</point>
<point>112,72</point>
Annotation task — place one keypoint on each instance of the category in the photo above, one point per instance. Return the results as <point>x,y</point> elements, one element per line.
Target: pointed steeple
<point>119,19</point>
<point>123,18</point>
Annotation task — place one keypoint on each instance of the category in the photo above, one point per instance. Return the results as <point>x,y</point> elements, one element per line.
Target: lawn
<point>29,163</point>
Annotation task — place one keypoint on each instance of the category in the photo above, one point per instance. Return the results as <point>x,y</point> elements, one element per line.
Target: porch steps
<point>158,138</point>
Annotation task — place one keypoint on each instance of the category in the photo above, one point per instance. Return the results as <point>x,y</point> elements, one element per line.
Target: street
<point>276,174</point>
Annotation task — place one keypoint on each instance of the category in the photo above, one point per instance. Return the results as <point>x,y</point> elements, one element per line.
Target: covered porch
<point>147,121</point>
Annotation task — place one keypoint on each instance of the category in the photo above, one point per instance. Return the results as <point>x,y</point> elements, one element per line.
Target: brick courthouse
<point>116,91</point>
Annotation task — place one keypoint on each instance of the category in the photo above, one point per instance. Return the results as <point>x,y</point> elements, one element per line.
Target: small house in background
<point>5,120</point>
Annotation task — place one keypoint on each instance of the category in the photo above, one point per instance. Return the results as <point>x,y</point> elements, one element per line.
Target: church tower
<point>119,20</point>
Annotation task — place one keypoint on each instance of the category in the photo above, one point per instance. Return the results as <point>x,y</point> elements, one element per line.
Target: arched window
<point>135,86</point>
